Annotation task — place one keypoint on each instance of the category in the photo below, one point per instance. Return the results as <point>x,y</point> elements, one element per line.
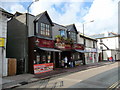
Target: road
<point>100,77</point>
<point>102,80</point>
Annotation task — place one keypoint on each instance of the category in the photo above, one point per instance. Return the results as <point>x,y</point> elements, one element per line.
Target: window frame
<point>45,29</point>
<point>64,33</point>
<point>73,36</point>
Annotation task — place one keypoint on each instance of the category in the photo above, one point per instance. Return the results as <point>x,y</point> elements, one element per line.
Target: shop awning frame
<point>81,51</point>
<point>49,49</point>
<point>84,51</point>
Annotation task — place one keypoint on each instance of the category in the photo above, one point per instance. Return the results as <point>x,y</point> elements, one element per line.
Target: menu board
<point>41,68</point>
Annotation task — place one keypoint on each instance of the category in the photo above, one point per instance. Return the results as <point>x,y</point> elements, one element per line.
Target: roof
<point>6,13</point>
<point>41,14</point>
<point>17,14</point>
<point>61,27</point>
<point>104,35</point>
<point>87,37</point>
<point>69,27</point>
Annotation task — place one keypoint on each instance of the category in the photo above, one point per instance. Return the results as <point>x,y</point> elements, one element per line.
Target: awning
<point>82,51</point>
<point>50,49</point>
<point>90,51</point>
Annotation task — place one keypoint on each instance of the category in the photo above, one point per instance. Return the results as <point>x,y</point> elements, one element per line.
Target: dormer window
<point>73,36</point>
<point>45,29</point>
<point>62,33</point>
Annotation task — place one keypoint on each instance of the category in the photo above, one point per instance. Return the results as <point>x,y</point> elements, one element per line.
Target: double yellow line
<point>113,86</point>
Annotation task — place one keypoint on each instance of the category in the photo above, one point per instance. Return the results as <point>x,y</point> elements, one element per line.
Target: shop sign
<point>90,50</point>
<point>42,68</point>
<point>78,46</point>
<point>77,63</point>
<point>2,42</point>
<point>46,43</point>
<point>62,46</point>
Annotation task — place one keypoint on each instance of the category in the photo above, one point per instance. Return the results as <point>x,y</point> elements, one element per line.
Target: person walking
<point>66,62</point>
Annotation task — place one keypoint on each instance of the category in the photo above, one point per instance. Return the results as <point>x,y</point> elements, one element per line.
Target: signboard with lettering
<point>63,46</point>
<point>45,43</point>
<point>2,42</point>
<point>42,68</point>
<point>78,46</point>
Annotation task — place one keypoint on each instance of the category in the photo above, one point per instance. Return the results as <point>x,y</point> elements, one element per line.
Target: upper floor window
<point>73,36</point>
<point>101,40</point>
<point>93,44</point>
<point>84,40</point>
<point>62,33</point>
<point>45,29</point>
<point>101,47</point>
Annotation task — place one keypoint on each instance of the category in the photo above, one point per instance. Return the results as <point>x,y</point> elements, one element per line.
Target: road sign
<point>2,42</point>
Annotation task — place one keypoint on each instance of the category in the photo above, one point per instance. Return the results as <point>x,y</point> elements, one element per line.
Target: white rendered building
<point>4,15</point>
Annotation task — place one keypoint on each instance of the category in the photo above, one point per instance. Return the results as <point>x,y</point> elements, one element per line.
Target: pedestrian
<point>111,59</point>
<point>108,59</point>
<point>66,62</point>
<point>62,63</point>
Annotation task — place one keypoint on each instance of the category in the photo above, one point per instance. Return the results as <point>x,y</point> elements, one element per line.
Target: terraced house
<point>39,45</point>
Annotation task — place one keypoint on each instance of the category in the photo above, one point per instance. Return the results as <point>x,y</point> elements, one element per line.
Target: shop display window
<point>44,57</point>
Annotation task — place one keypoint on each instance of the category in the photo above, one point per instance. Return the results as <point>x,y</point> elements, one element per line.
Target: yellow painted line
<point>114,85</point>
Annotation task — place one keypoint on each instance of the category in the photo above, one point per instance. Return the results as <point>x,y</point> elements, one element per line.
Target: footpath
<point>10,82</point>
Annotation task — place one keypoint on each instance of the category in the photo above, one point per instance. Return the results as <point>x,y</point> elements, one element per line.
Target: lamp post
<point>27,29</point>
<point>84,25</point>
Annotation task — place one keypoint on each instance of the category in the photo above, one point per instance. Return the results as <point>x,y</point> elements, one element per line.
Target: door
<point>57,60</point>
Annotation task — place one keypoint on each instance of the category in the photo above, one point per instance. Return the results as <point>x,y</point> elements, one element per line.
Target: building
<point>30,42</point>
<point>4,16</point>
<point>108,44</point>
<point>42,53</point>
<point>90,51</point>
<point>66,40</point>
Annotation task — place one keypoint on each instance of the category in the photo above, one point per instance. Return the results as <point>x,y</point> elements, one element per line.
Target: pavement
<point>19,80</point>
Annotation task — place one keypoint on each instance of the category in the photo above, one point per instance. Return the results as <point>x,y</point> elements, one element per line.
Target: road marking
<point>114,85</point>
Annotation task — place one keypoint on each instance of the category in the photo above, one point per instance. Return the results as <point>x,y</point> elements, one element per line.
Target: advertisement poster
<point>41,68</point>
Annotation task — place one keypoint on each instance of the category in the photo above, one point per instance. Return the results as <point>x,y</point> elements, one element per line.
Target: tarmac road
<point>103,80</point>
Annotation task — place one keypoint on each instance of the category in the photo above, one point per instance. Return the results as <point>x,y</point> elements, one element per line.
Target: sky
<point>78,12</point>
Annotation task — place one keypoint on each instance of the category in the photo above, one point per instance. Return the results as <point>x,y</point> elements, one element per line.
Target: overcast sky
<point>65,12</point>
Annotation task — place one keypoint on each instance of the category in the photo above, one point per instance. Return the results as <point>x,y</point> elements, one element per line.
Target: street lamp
<point>84,62</point>
<point>30,5</point>
<point>27,28</point>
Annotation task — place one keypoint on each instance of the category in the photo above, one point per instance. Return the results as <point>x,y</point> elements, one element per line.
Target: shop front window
<point>43,59</point>
<point>37,59</point>
<point>49,57</point>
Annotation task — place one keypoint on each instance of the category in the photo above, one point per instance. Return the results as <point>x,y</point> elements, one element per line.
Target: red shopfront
<point>66,51</point>
<point>74,52</point>
<point>43,57</point>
